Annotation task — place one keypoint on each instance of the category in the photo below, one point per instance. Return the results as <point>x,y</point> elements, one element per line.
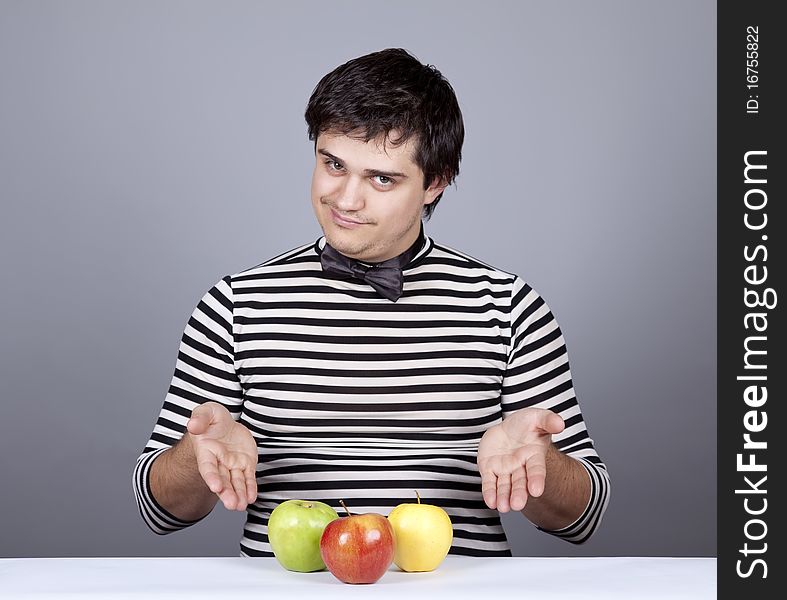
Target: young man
<point>375,361</point>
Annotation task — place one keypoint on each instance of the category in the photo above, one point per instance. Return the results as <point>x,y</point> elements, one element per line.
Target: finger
<point>503,492</point>
<point>489,488</point>
<point>239,487</point>
<point>518,489</point>
<point>227,495</point>
<point>209,469</point>
<point>251,485</point>
<point>536,473</point>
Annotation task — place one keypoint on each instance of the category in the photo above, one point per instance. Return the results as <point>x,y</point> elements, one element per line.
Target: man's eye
<point>383,180</point>
<point>334,165</point>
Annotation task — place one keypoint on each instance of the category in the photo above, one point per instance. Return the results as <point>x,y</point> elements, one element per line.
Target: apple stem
<point>345,508</point>
<point>418,496</point>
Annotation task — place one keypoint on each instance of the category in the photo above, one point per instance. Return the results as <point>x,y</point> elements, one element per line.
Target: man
<point>375,361</point>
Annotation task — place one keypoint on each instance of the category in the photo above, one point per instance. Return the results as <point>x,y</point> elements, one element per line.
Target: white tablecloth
<point>263,579</point>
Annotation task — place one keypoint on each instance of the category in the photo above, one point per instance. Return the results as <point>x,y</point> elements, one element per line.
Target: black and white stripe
<point>353,397</point>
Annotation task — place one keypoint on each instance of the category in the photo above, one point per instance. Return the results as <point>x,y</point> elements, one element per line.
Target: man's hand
<point>512,457</point>
<point>226,455</point>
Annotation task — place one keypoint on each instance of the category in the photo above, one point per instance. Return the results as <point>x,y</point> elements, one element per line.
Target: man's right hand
<point>226,455</point>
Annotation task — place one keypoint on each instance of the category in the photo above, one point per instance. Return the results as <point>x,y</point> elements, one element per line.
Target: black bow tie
<point>385,277</point>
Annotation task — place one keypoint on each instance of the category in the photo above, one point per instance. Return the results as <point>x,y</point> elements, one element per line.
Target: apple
<point>423,535</point>
<point>294,531</point>
<point>358,548</point>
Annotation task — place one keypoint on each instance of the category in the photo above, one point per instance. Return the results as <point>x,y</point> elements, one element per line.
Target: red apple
<point>358,548</point>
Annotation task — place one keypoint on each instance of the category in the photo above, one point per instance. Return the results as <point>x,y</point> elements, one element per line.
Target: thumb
<point>552,422</point>
<point>201,419</point>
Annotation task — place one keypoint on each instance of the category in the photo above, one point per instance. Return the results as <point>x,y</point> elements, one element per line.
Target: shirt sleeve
<point>538,375</point>
<point>204,372</point>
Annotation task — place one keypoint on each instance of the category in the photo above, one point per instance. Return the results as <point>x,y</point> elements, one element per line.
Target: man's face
<point>368,197</point>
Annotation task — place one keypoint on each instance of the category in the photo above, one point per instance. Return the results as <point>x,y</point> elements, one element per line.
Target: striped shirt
<point>352,397</point>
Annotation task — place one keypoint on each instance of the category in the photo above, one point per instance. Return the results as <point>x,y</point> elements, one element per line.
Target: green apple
<point>294,531</point>
<point>423,535</point>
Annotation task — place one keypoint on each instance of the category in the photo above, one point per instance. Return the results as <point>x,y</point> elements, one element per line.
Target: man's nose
<point>350,196</point>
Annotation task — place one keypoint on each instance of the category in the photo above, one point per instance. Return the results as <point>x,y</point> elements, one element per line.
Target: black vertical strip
<point>751,294</point>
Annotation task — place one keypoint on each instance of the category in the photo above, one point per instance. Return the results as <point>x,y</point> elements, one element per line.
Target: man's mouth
<point>345,221</point>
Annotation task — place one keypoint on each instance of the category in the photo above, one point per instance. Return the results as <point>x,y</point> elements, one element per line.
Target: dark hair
<point>373,95</point>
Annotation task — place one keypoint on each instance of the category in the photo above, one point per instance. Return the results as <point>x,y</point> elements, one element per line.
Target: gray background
<point>149,148</point>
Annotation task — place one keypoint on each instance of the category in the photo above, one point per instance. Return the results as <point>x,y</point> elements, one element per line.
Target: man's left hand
<point>512,457</point>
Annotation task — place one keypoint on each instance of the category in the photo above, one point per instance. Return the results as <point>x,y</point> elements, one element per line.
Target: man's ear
<point>433,191</point>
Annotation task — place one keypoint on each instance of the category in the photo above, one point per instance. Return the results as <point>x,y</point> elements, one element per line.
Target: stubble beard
<point>371,249</point>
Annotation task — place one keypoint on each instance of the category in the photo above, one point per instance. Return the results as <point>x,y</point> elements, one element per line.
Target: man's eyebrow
<point>366,172</point>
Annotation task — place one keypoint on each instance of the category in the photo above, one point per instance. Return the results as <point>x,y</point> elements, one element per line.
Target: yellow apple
<point>423,535</point>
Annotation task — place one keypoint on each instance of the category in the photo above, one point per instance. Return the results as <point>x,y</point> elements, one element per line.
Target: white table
<point>262,578</point>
